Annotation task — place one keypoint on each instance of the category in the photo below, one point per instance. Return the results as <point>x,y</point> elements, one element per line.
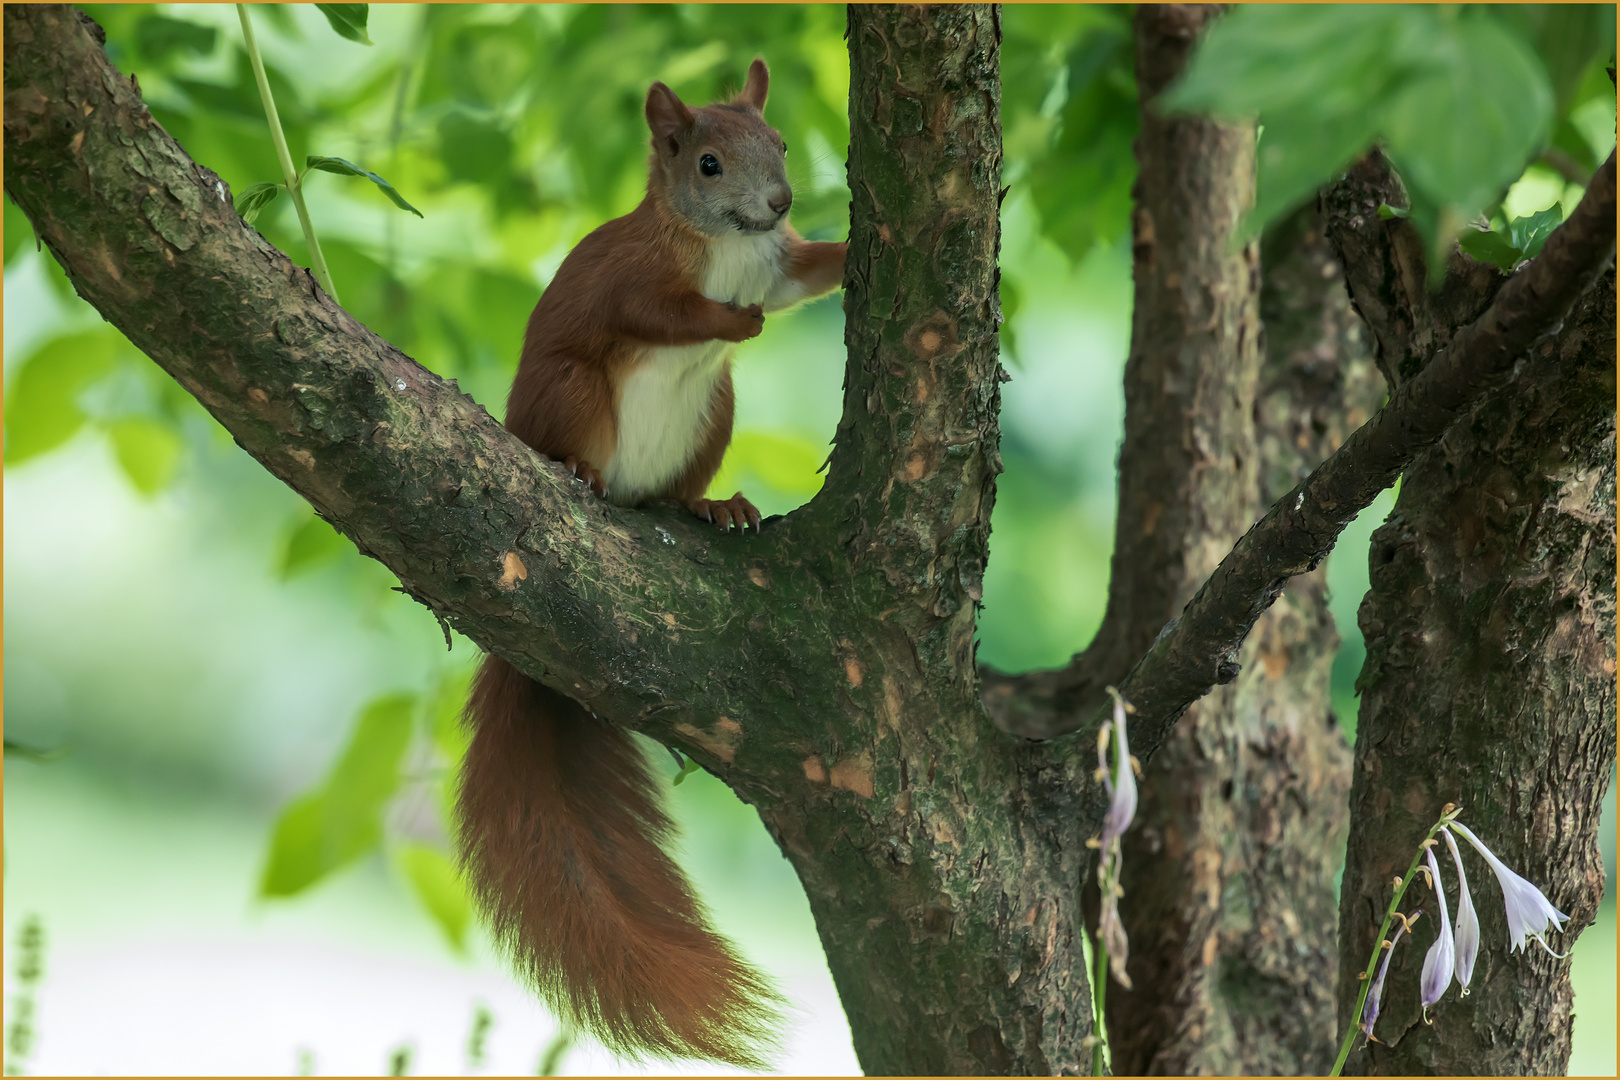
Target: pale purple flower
<point>1375,992</point>
<point>1122,787</point>
<point>1440,961</point>
<point>1467,921</point>
<point>1529,913</point>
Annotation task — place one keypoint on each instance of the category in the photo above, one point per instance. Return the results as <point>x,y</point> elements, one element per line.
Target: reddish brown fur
<point>561,832</point>
<point>563,840</point>
<point>627,285</point>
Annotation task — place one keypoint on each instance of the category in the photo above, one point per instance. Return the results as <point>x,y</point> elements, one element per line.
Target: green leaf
<point>1319,116</point>
<point>687,769</point>
<point>344,167</point>
<point>338,822</point>
<point>368,772</point>
<point>307,545</point>
<point>1490,247</point>
<point>158,36</point>
<point>349,20</point>
<point>1387,212</point>
<point>438,886</point>
<point>148,451</point>
<point>256,198</point>
<point>1464,132</point>
<point>1530,233</point>
<point>42,410</point>
<point>1567,37</point>
<point>297,856</point>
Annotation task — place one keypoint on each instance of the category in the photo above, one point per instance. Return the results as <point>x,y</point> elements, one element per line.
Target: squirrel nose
<point>779,205</point>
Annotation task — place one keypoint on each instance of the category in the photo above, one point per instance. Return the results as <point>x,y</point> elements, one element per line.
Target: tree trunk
<point>1229,880</point>
<point>944,893</point>
<point>824,668</point>
<point>1489,679</point>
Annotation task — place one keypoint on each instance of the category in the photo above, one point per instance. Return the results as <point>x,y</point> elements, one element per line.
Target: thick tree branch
<point>653,620</point>
<point>1198,651</point>
<point>1386,271</point>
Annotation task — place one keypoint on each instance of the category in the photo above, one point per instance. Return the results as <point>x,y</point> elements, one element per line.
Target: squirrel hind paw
<point>725,513</point>
<point>584,471</point>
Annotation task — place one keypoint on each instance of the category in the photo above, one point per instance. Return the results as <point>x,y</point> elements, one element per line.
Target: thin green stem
<point>1099,995</point>
<point>295,187</point>
<point>1378,943</point>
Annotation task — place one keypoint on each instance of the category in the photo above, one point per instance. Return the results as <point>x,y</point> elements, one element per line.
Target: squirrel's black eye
<point>709,165</point>
<point>784,149</point>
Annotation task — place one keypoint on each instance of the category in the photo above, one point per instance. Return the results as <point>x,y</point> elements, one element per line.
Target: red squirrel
<point>626,378</point>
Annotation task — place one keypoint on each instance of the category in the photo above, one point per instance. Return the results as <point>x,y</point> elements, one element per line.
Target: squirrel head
<point>721,168</point>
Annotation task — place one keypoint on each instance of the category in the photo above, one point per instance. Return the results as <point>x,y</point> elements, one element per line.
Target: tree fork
<point>1489,679</point>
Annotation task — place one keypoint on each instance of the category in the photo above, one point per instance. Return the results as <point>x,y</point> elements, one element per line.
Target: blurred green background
<point>201,675</point>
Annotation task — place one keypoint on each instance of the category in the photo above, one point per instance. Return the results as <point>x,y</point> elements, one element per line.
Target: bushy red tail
<point>562,840</point>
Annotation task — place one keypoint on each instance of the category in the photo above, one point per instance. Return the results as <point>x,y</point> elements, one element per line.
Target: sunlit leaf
<point>256,198</point>
<point>335,824</point>
<point>297,857</point>
<point>308,544</point>
<point>438,886</point>
<point>367,774</point>
<point>349,20</point>
<point>344,167</point>
<point>148,451</point>
<point>42,410</point>
<point>1530,233</point>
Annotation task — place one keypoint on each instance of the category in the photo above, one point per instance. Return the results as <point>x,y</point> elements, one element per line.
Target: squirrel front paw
<point>727,512</point>
<point>745,322</point>
<point>583,470</point>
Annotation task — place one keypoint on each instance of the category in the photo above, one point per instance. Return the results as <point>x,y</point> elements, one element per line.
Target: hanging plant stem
<point>294,181</point>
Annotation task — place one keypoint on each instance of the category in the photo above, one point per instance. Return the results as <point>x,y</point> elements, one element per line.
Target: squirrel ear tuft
<point>758,85</point>
<point>667,115</point>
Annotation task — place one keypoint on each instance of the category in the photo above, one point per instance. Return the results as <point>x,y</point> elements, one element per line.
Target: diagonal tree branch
<point>1197,651</point>
<point>652,619</point>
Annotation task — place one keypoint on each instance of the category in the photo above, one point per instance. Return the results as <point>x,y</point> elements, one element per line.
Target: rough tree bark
<point>824,668</point>
<point>1232,869</point>
<point>1489,679</point>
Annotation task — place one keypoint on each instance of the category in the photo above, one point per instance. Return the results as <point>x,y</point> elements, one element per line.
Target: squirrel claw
<point>727,512</point>
<point>582,470</point>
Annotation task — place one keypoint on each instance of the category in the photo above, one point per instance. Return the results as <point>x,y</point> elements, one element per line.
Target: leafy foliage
<point>1521,240</point>
<point>518,129</point>
<point>1462,98</point>
<point>336,823</point>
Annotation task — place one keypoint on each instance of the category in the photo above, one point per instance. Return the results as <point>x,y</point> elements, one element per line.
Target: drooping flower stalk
<point>1112,947</point>
<point>1440,961</point>
<point>1529,913</point>
<point>1391,913</point>
<point>1375,992</point>
<point>1467,920</point>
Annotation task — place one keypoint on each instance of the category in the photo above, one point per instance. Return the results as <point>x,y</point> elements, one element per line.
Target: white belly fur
<point>664,403</point>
